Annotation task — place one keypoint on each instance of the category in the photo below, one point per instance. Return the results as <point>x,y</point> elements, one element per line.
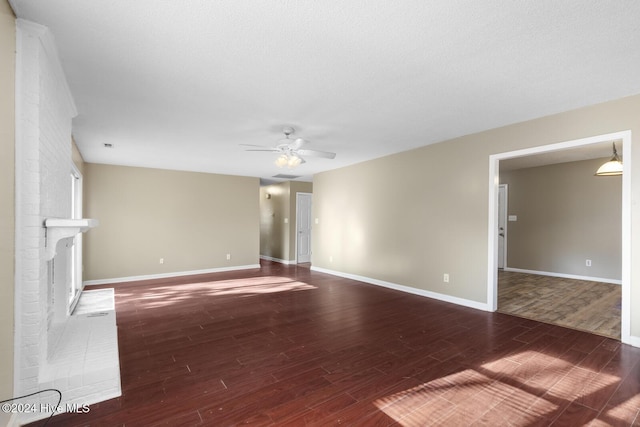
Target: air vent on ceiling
<point>285,176</point>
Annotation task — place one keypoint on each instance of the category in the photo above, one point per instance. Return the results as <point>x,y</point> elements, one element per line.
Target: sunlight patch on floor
<point>166,295</point>
<point>489,392</point>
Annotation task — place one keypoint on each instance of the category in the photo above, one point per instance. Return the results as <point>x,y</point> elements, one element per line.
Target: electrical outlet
<point>588,263</point>
<point>161,260</point>
<point>445,278</point>
<point>330,258</point>
<point>228,257</point>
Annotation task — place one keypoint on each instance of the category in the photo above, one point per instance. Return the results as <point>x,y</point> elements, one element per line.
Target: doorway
<point>303,227</point>
<point>493,238</point>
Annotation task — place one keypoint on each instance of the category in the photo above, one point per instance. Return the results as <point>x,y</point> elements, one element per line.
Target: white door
<point>502,225</point>
<point>303,227</point>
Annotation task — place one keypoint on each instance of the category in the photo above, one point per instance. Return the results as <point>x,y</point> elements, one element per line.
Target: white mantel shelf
<point>62,228</point>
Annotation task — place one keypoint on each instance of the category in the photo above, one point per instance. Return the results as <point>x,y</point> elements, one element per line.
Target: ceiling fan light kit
<point>291,151</point>
<point>289,160</point>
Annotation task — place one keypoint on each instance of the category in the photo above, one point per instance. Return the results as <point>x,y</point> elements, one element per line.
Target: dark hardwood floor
<point>286,346</point>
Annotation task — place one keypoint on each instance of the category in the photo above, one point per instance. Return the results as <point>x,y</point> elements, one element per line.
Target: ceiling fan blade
<point>254,145</point>
<point>297,143</point>
<point>316,153</point>
<point>260,148</point>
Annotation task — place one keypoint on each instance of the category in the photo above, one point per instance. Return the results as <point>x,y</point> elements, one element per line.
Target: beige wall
<point>277,238</point>
<point>566,215</point>
<point>410,217</point>
<point>7,198</point>
<point>192,220</point>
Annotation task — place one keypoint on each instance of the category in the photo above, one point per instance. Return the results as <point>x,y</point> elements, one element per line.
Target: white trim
<point>625,321</point>
<point>492,270</point>
<point>167,275</point>
<point>633,340</point>
<point>564,276</point>
<point>76,252</point>
<point>494,177</point>
<point>281,261</point>
<point>408,289</point>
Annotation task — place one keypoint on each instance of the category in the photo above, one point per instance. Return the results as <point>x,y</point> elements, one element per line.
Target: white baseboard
<point>167,275</point>
<point>565,276</point>
<point>631,340</point>
<point>281,261</point>
<point>408,289</point>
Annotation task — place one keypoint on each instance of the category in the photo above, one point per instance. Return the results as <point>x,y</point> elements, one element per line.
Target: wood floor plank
<point>287,346</point>
<point>579,304</point>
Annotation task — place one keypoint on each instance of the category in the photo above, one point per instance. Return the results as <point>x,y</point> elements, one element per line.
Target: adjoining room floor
<point>287,346</point>
<point>578,304</point>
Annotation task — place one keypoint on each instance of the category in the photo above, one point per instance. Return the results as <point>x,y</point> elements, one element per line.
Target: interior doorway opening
<point>494,189</point>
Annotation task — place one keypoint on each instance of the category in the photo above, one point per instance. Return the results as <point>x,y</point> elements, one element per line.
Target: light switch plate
<point>513,218</point>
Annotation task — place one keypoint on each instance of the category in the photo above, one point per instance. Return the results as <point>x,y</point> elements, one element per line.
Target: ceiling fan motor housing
<point>287,130</point>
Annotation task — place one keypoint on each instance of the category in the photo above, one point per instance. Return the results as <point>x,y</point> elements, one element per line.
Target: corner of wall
<point>7,208</point>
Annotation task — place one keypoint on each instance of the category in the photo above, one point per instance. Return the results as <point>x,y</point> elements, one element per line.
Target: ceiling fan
<point>291,150</point>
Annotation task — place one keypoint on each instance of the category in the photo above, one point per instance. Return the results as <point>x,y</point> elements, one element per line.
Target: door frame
<point>76,252</point>
<point>505,210</point>
<point>494,182</point>
<point>298,222</point>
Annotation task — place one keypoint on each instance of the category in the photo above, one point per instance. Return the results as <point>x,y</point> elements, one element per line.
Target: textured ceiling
<point>180,84</point>
<point>601,150</point>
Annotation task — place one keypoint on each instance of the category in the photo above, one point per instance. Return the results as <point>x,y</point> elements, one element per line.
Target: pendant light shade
<point>613,167</point>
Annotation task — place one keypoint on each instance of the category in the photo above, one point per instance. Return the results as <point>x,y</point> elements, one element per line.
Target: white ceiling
<point>600,150</point>
<point>180,84</point>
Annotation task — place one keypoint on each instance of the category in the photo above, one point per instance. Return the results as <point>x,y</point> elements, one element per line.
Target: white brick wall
<point>44,109</point>
<point>30,235</point>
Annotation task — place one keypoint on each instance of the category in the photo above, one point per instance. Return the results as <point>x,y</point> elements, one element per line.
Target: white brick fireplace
<point>75,353</point>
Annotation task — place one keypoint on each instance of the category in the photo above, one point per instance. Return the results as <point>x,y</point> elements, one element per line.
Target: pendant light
<point>613,167</point>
